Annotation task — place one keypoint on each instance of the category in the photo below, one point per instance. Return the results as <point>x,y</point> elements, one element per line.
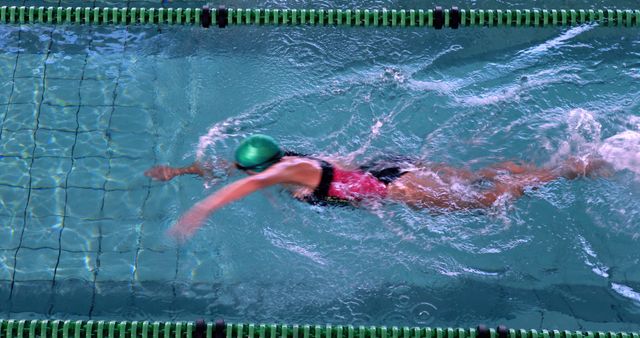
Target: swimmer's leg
<point>166,173</point>
<point>514,186</point>
<point>572,168</point>
<point>428,191</point>
<point>421,189</point>
<point>533,177</point>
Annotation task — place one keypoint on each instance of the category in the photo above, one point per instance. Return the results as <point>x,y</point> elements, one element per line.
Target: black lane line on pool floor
<point>139,239</point>
<point>13,85</point>
<point>37,119</point>
<point>52,300</point>
<point>108,173</point>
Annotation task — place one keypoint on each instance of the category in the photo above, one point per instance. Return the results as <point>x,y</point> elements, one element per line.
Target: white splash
<point>375,129</point>
<point>584,136</point>
<point>622,151</point>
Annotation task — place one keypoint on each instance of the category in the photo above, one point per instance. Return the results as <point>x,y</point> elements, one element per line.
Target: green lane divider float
<point>437,18</point>
<point>201,329</point>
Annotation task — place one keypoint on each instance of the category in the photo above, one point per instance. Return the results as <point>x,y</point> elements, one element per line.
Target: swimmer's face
<point>245,170</point>
<point>256,169</point>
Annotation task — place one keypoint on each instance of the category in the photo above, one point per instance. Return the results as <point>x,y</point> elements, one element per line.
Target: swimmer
<point>324,181</point>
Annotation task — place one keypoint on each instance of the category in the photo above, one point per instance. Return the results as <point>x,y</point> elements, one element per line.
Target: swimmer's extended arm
<point>166,173</point>
<point>193,219</point>
<point>194,169</point>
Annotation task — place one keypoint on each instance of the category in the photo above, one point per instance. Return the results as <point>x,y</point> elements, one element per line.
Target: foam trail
<point>513,92</point>
<point>558,41</point>
<point>233,127</point>
<point>399,77</point>
<point>216,133</point>
<point>589,256</point>
<point>525,58</point>
<point>280,241</point>
<point>626,291</point>
<point>376,131</point>
<point>225,129</point>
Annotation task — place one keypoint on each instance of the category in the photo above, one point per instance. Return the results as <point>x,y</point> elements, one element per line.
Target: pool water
<point>85,110</point>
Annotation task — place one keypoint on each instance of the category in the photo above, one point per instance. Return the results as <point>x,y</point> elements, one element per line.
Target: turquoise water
<point>85,110</point>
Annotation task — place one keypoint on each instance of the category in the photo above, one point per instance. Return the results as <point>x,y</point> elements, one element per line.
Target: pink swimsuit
<point>340,186</point>
<point>355,185</point>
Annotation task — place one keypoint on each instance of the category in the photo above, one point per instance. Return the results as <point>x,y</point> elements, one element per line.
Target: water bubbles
<point>422,313</point>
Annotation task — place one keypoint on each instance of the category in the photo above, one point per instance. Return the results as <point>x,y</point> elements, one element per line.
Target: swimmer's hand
<point>189,223</point>
<point>166,173</point>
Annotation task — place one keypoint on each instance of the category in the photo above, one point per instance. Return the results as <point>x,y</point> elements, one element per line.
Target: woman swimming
<point>323,181</point>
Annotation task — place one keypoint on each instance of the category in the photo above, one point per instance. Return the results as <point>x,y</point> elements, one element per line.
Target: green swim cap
<point>257,153</point>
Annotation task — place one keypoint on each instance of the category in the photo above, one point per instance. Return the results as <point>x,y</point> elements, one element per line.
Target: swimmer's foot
<point>575,167</point>
<point>162,173</point>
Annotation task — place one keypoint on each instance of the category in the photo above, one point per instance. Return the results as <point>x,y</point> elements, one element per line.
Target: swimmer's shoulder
<point>340,162</point>
<point>315,161</point>
<point>299,170</point>
<point>298,163</point>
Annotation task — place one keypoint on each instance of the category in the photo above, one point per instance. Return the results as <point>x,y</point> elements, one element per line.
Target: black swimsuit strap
<point>320,195</point>
<point>293,153</point>
<point>322,190</point>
